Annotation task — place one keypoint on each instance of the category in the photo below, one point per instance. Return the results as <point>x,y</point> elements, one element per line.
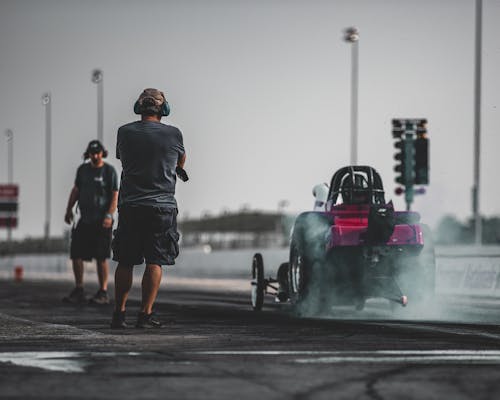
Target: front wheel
<point>258,286</point>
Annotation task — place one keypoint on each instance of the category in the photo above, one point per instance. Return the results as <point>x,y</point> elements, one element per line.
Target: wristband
<point>108,215</point>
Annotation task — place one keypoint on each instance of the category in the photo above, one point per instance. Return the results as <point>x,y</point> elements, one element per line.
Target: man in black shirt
<point>147,226</point>
<point>96,191</point>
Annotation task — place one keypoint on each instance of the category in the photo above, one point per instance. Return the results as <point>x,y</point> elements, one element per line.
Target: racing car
<point>354,248</point>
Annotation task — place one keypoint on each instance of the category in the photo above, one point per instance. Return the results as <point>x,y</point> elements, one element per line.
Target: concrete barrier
<point>469,270</point>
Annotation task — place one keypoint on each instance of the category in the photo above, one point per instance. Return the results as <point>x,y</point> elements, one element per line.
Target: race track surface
<point>213,346</point>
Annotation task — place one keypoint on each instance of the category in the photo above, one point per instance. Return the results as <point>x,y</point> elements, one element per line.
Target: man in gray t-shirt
<point>150,152</point>
<point>96,191</point>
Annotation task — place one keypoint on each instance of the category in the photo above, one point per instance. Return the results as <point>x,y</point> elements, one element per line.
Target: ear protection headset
<point>95,147</point>
<point>147,99</point>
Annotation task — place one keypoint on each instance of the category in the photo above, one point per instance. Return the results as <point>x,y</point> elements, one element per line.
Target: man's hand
<point>73,197</point>
<point>182,174</point>
<point>108,221</point>
<point>68,217</point>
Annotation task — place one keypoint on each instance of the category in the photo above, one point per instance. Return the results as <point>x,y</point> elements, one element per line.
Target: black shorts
<point>146,234</point>
<point>90,240</point>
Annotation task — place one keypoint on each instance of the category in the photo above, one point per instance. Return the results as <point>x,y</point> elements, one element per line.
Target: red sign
<point>8,222</point>
<point>9,190</point>
<point>8,205</point>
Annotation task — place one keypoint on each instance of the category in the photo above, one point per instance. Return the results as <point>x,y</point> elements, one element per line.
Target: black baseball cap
<point>95,147</point>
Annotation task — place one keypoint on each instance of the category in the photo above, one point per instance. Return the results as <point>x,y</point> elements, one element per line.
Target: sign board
<point>8,222</point>
<point>9,205</point>
<point>9,191</point>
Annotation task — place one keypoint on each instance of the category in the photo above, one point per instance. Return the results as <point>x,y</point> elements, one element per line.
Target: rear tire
<point>417,273</point>
<point>305,286</point>
<point>306,280</point>
<point>283,282</point>
<point>258,285</point>
<point>346,274</point>
<point>299,273</point>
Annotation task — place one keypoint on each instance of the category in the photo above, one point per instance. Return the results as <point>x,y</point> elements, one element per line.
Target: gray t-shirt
<point>149,152</point>
<point>95,188</point>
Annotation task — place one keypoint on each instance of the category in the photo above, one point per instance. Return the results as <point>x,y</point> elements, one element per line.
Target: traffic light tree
<point>412,156</point>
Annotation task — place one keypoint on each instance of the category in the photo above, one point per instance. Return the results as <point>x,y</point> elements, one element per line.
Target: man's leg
<point>78,272</point>
<point>123,283</point>
<point>102,273</point>
<point>77,295</point>
<point>101,297</point>
<point>150,286</point>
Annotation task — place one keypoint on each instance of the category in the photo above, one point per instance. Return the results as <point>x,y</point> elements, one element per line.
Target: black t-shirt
<point>149,152</point>
<point>95,187</point>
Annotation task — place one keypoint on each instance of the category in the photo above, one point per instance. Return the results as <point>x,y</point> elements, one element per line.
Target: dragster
<point>352,247</point>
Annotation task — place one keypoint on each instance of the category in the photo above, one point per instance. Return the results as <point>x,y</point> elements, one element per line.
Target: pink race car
<point>357,247</point>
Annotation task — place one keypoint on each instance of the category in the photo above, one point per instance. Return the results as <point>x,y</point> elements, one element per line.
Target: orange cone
<point>18,273</point>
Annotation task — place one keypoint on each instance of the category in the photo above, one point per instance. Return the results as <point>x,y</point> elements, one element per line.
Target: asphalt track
<point>213,346</point>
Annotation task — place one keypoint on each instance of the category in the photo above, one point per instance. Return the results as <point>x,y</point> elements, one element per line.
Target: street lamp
<point>477,125</point>
<point>10,169</point>
<point>351,35</point>
<point>46,102</point>
<point>97,78</point>
<point>10,155</point>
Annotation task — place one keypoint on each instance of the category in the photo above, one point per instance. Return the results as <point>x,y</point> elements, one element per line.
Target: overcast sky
<point>260,90</point>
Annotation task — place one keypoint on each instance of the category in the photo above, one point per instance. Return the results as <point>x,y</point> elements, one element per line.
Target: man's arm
<point>73,198</point>
<point>181,172</point>
<point>118,144</point>
<point>181,160</point>
<point>108,219</point>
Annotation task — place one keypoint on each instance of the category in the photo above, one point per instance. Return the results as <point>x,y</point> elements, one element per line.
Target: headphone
<point>147,101</point>
<point>95,145</point>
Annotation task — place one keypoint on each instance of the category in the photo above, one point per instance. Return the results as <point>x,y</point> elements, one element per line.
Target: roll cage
<point>374,187</point>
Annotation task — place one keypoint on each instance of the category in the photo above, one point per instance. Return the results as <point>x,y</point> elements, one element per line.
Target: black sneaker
<point>147,321</point>
<point>101,297</point>
<point>118,320</point>
<point>77,296</point>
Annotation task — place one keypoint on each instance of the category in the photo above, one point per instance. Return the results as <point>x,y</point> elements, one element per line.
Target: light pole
<point>351,35</point>
<point>10,155</point>
<point>46,101</point>
<point>477,125</point>
<point>97,78</point>
<point>10,169</point>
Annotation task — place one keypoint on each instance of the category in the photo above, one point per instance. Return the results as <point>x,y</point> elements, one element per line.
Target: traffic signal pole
<point>408,170</point>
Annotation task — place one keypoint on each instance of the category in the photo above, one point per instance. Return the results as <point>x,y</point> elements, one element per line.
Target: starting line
<point>77,362</point>
<point>55,361</point>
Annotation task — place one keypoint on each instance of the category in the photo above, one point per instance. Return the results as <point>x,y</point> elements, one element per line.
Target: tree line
<point>450,230</point>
